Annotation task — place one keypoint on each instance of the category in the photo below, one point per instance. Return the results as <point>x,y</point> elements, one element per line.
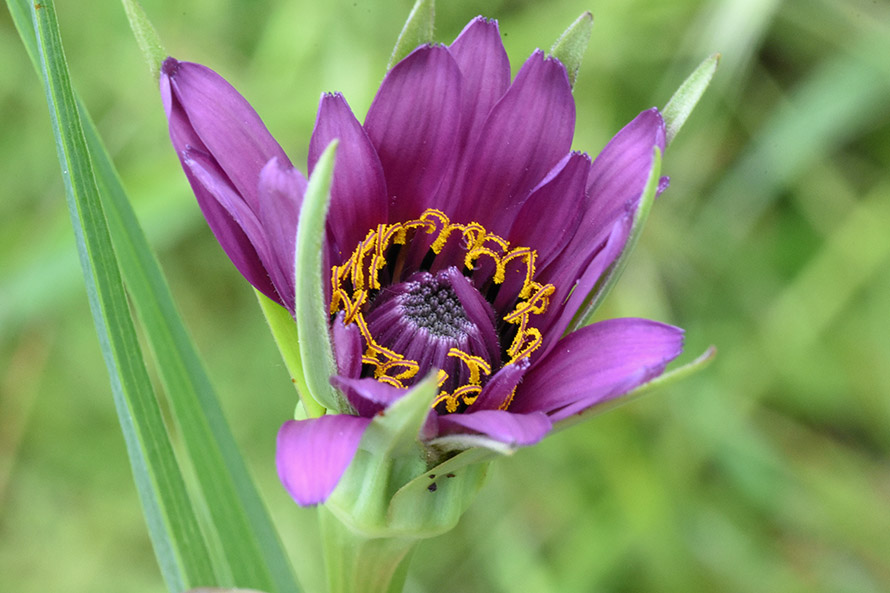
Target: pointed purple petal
<point>526,134</point>
<point>226,124</point>
<point>571,295</point>
<point>358,192</point>
<point>506,427</point>
<point>281,189</point>
<point>483,62</point>
<point>597,363</point>
<point>619,173</point>
<point>347,348</point>
<point>617,179</point>
<point>234,225</point>
<point>311,455</point>
<point>499,391</point>
<point>549,217</point>
<point>413,124</point>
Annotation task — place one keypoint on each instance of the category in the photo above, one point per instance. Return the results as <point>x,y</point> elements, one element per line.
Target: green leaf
<point>173,526</point>
<point>681,372</point>
<point>146,36</point>
<point>613,273</point>
<point>418,30</point>
<point>687,96</point>
<point>316,353</point>
<point>284,330</point>
<point>571,45</point>
<point>253,555</point>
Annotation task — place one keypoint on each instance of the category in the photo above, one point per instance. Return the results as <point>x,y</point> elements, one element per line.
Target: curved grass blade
<point>250,544</point>
<point>173,526</point>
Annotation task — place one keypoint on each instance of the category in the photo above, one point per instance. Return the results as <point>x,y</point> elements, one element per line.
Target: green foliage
<point>316,353</point>
<point>766,471</point>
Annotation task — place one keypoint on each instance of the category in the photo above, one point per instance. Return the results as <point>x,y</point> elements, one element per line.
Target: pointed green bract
<point>284,330</point>
<point>316,353</point>
<point>585,313</point>
<point>418,30</point>
<point>687,96</point>
<point>681,372</point>
<point>173,525</point>
<point>571,45</point>
<point>146,36</point>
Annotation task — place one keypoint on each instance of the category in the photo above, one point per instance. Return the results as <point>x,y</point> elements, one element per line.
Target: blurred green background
<point>769,471</point>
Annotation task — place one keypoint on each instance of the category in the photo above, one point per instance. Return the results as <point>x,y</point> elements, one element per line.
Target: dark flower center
<point>432,304</point>
<point>415,290</point>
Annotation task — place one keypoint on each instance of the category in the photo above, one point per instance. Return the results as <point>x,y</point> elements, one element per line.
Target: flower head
<point>463,238</point>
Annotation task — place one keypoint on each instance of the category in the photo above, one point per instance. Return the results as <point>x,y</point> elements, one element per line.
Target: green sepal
<point>149,42</point>
<point>611,275</point>
<point>571,45</point>
<point>316,353</point>
<point>418,30</point>
<point>687,96</point>
<point>284,331</point>
<point>681,372</point>
<point>389,490</point>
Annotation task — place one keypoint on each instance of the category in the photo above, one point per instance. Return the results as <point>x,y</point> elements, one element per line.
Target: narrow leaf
<point>571,45</point>
<point>173,526</point>
<point>687,96</point>
<point>146,36</point>
<point>611,276</point>
<point>418,30</point>
<point>316,353</point>
<point>253,552</point>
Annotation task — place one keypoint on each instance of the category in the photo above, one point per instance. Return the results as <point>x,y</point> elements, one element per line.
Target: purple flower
<point>463,236</point>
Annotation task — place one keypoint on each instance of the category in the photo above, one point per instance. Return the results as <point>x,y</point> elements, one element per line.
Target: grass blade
<point>173,526</point>
<point>252,550</point>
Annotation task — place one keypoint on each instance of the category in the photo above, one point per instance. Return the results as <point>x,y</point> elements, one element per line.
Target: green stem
<point>356,563</point>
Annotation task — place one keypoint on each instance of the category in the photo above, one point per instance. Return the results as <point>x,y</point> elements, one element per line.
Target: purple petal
<point>526,134</point>
<point>499,391</point>
<point>225,122</point>
<point>597,363</point>
<point>413,124</point>
<point>483,62</point>
<point>311,455</point>
<point>506,427</point>
<point>618,175</point>
<point>205,172</point>
<point>347,347</point>
<point>228,233</point>
<point>358,192</point>
<point>572,295</point>
<point>549,217</point>
<point>281,189</point>
<point>368,396</point>
<point>485,68</point>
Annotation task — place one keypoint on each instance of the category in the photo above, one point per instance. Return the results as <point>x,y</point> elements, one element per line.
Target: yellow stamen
<point>352,281</point>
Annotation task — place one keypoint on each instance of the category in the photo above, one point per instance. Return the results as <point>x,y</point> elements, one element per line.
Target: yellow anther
<point>475,364</point>
<point>360,273</point>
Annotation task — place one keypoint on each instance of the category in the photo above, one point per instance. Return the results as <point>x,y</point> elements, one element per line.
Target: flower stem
<point>356,563</point>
